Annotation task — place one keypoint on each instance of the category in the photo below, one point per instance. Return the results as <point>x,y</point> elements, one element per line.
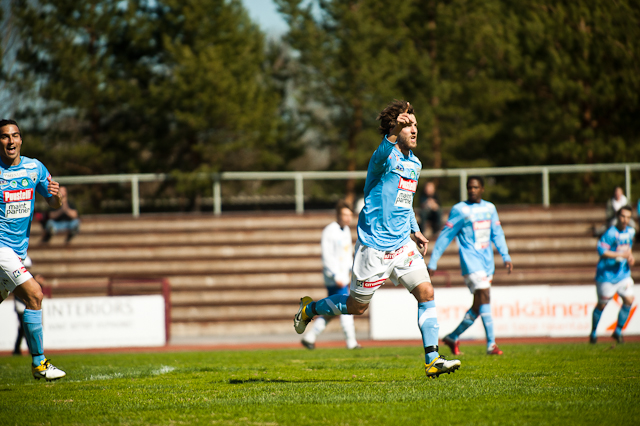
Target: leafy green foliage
<point>530,384</point>
<point>148,86</point>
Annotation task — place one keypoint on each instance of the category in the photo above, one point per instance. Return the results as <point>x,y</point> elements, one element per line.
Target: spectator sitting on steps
<point>66,218</point>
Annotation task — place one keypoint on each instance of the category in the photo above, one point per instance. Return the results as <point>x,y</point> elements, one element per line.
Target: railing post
<point>463,185</point>
<point>217,197</point>
<point>546,202</point>
<point>135,195</point>
<point>299,193</point>
<point>627,181</point>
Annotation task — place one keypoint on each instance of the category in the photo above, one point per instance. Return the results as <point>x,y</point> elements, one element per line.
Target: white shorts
<point>607,290</point>
<point>12,271</point>
<point>372,267</point>
<point>478,280</point>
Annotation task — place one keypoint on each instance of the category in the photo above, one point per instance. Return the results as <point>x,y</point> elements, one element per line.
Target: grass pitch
<point>576,384</point>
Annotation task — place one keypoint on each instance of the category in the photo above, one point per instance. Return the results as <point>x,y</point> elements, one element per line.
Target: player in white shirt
<point>337,259</point>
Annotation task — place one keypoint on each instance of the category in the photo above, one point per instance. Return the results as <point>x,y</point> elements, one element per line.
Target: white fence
<point>299,177</point>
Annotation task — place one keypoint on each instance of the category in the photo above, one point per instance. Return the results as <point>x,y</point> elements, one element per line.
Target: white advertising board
<point>92,322</point>
<point>525,311</point>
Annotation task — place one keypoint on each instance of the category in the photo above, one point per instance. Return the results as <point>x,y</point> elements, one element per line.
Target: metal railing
<point>300,177</point>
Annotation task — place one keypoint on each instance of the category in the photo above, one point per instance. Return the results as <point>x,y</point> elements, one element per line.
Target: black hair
<point>6,122</point>
<point>627,207</point>
<point>478,178</point>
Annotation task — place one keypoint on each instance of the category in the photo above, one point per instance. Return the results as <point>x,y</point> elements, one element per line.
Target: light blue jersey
<point>475,226</point>
<point>387,218</point>
<point>18,185</point>
<point>614,270</point>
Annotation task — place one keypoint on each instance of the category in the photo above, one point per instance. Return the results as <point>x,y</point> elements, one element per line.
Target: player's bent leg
<point>419,284</point>
<point>625,311</point>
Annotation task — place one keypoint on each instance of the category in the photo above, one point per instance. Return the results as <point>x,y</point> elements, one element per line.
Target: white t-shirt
<point>337,254</point>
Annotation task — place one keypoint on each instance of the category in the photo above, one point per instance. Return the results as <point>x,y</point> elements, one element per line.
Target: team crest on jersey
<point>25,182</point>
<point>412,175</point>
<point>33,176</point>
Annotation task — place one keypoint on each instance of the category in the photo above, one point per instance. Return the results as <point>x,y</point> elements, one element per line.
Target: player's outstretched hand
<point>631,259</point>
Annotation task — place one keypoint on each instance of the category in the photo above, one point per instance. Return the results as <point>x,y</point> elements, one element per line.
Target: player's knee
<point>357,307</point>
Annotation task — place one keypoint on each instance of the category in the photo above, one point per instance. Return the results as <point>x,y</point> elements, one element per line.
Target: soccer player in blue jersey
<point>474,224</point>
<point>613,273</point>
<point>20,177</point>
<point>390,244</point>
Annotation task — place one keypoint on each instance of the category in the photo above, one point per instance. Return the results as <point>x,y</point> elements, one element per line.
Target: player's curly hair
<point>389,115</point>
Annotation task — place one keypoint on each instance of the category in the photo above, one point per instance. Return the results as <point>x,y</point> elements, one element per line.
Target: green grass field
<point>576,384</point>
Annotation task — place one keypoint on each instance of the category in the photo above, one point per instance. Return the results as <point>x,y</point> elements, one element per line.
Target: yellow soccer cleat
<point>440,366</point>
<point>301,319</point>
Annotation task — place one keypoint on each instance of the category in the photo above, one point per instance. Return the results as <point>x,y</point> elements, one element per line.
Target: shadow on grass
<point>258,380</point>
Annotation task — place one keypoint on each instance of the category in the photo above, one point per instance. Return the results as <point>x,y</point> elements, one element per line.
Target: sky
<point>265,14</point>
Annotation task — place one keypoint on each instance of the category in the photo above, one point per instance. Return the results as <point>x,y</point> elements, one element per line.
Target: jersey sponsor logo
<point>393,254</point>
<point>412,175</point>
<point>3,182</point>
<point>404,199</point>
<point>370,284</point>
<point>15,175</point>
<point>13,184</point>
<point>19,195</point>
<point>25,182</point>
<point>482,233</point>
<point>33,176</point>
<point>19,272</point>
<point>408,184</point>
<point>30,166</point>
<point>17,210</point>
<point>400,167</point>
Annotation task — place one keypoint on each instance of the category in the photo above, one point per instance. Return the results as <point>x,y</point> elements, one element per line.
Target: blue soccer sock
<point>467,321</point>
<point>595,319</point>
<point>622,317</point>
<point>332,306</point>
<point>428,323</point>
<point>32,323</point>
<point>487,321</point>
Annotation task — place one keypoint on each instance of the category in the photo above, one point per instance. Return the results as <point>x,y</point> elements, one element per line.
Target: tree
<point>150,86</point>
<point>348,53</point>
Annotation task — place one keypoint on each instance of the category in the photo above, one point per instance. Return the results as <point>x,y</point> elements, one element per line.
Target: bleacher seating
<point>243,274</point>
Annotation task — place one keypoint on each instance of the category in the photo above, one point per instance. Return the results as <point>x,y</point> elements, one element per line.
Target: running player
<point>390,244</point>
<point>475,224</point>
<point>20,177</point>
<point>613,273</point>
<point>337,259</point>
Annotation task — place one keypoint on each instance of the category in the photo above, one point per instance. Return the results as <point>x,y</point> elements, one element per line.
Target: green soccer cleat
<point>440,366</point>
<point>301,319</point>
<point>47,371</point>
